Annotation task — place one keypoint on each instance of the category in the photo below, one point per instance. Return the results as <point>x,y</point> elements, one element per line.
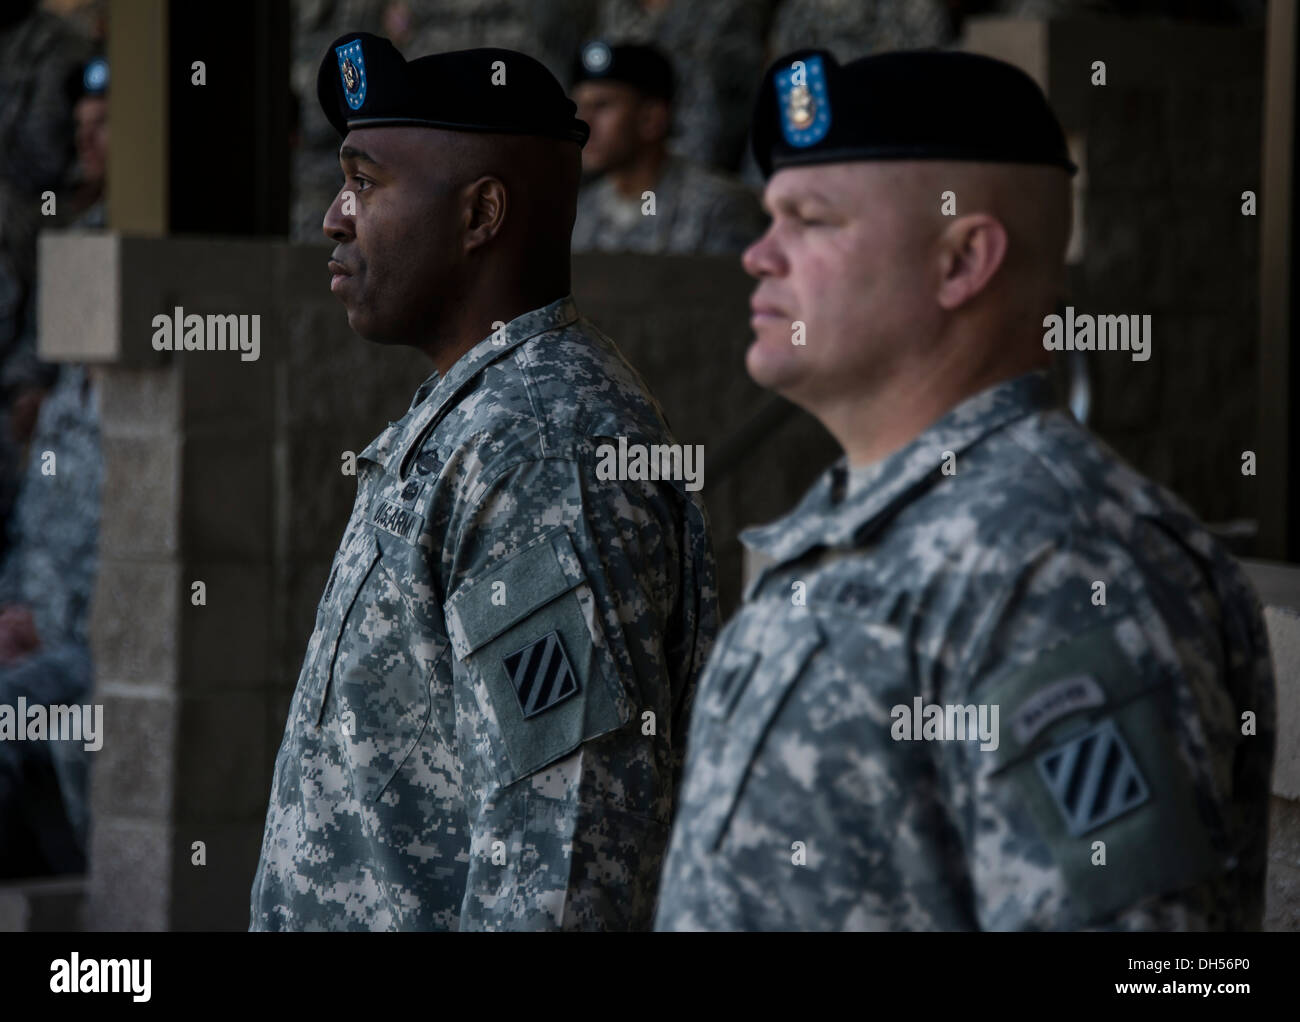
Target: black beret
<point>364,82</point>
<point>642,66</point>
<point>909,105</point>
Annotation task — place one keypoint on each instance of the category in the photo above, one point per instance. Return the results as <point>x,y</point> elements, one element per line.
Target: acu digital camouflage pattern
<point>977,588</point>
<point>410,790</point>
<point>697,212</point>
<point>37,52</point>
<point>50,569</point>
<point>852,29</point>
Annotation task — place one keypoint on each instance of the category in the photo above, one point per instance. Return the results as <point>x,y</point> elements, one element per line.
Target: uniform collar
<point>831,516</point>
<point>438,393</point>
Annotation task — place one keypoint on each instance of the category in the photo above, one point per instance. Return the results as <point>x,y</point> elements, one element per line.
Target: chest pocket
<point>747,683</point>
<point>528,636</point>
<point>377,662</point>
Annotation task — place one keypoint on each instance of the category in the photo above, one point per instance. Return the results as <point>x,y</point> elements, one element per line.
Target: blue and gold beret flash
<point>908,105</point>
<point>644,67</point>
<point>364,82</point>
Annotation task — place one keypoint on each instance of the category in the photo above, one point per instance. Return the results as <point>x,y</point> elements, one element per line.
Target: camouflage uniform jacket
<point>963,570</point>
<point>470,743</point>
<point>697,212</point>
<point>51,566</point>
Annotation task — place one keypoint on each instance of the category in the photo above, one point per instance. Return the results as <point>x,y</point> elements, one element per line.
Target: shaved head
<point>540,175</point>
<point>899,287</point>
<point>1031,202</point>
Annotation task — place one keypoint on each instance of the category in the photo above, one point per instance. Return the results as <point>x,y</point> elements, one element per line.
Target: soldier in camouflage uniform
<point>38,52</point>
<point>625,93</point>
<point>487,729</point>
<point>988,677</point>
<point>718,57</point>
<point>45,589</point>
<point>47,577</point>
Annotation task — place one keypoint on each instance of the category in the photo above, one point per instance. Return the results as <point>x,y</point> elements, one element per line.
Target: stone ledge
<point>43,905</point>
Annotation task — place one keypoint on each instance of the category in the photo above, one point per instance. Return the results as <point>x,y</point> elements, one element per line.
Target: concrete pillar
<point>199,150</point>
<point>1279,376</point>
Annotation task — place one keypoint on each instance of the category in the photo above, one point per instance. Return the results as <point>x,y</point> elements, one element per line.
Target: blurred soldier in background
<point>84,203</point>
<point>717,54</point>
<point>38,51</point>
<point>625,93</point>
<point>48,575</point>
<point>46,583</point>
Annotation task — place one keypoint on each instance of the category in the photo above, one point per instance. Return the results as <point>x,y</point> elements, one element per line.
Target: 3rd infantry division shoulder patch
<point>1093,778</point>
<point>541,674</point>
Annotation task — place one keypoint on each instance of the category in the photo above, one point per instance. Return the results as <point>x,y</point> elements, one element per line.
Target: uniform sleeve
<point>564,613</point>
<point>40,151</point>
<point>1107,799</point>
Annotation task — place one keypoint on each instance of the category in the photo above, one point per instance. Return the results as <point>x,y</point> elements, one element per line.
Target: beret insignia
<point>596,57</point>
<point>804,102</point>
<point>352,69</point>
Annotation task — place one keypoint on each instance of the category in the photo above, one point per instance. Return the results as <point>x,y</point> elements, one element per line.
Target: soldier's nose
<point>762,258</point>
<point>336,226</point>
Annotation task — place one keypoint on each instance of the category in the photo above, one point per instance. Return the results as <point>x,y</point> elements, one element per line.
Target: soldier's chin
<point>368,330</point>
<point>773,362</point>
<point>364,325</point>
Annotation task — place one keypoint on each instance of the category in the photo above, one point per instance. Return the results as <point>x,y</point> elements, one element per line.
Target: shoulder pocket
<point>747,684</point>
<point>528,635</point>
<point>1088,744</point>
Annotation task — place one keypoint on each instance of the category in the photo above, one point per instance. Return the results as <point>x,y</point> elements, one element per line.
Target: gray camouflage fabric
<point>37,52</point>
<point>416,787</point>
<point>976,587</point>
<point>851,29</point>
<point>51,567</point>
<point>44,804</point>
<point>697,212</point>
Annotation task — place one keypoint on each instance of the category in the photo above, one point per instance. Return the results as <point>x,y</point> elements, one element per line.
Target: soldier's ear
<point>969,251</point>
<point>483,211</point>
